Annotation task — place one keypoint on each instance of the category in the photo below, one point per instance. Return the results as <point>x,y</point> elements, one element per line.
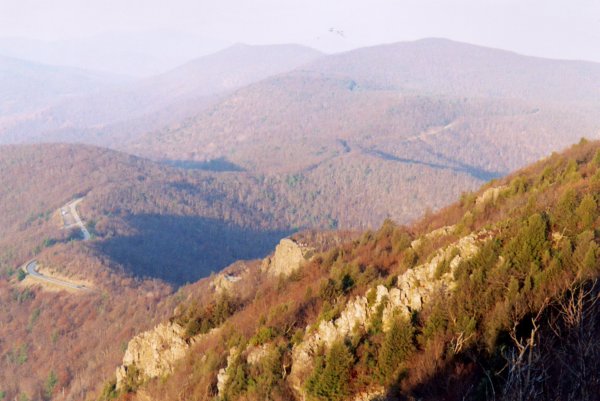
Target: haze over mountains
<point>134,54</point>
<point>153,102</point>
<point>28,86</point>
<point>187,172</point>
<point>402,112</point>
<point>402,91</point>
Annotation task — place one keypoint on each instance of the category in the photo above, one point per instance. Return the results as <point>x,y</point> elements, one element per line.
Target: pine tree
<point>531,242</point>
<point>566,209</point>
<point>587,212</point>
<point>397,346</point>
<point>590,261</point>
<point>331,381</point>
<point>50,384</point>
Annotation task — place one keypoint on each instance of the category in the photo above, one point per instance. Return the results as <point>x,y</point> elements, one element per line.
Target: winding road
<point>31,269</point>
<point>70,219</point>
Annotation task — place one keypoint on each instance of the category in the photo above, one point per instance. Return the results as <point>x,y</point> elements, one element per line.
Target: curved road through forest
<point>68,213</point>
<point>31,269</point>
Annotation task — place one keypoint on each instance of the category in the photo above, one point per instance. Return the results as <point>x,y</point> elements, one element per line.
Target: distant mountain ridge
<point>323,97</point>
<point>109,117</point>
<point>402,113</point>
<point>436,106</point>
<point>27,86</point>
<point>135,54</point>
<point>446,67</point>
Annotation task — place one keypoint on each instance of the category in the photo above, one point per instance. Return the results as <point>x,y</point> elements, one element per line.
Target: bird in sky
<point>337,32</point>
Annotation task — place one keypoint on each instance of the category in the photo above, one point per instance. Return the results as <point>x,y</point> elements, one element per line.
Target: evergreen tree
<point>331,380</point>
<point>531,242</point>
<point>50,384</point>
<point>397,346</point>
<point>590,261</point>
<point>566,208</point>
<point>597,158</point>
<point>587,212</point>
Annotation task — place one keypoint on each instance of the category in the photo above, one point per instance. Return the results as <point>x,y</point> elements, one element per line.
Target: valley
<point>268,222</point>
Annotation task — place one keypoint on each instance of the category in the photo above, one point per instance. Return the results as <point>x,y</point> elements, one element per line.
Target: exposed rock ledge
<point>289,256</point>
<point>490,196</point>
<point>415,287</point>
<point>154,352</point>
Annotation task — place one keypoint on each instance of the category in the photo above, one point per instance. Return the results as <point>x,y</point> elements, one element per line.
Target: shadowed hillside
<point>493,298</point>
<point>186,223</point>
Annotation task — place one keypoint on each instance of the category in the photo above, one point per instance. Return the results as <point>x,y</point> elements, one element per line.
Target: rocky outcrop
<point>438,233</point>
<point>288,257</point>
<point>377,394</point>
<point>224,374</point>
<point>226,280</point>
<point>255,354</point>
<point>224,283</point>
<point>489,196</point>
<point>153,353</point>
<point>414,288</point>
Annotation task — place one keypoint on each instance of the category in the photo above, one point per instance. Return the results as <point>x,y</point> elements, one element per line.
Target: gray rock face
<point>414,289</point>
<point>289,256</point>
<point>154,352</point>
<point>255,354</point>
<point>224,375</point>
<point>490,196</point>
<point>440,232</point>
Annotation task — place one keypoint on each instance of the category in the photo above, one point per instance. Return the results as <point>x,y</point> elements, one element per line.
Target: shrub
<point>266,375</point>
<point>263,335</point>
<point>21,275</point>
<point>133,379</point>
<point>50,384</point>
<point>109,391</point>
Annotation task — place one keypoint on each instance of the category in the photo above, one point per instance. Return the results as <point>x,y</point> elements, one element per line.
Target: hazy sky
<point>553,28</point>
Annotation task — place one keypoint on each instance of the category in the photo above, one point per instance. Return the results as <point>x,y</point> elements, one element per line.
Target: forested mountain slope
<point>417,109</point>
<point>433,99</point>
<point>180,224</point>
<point>148,222</point>
<point>495,297</point>
<point>415,122</point>
<point>152,220</point>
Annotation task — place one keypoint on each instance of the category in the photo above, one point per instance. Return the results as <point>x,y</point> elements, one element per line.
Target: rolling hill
<point>365,126</point>
<point>256,152</point>
<point>29,86</point>
<point>149,220</point>
<point>434,100</point>
<point>413,110</point>
<point>178,225</point>
<point>111,117</point>
<point>134,54</point>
